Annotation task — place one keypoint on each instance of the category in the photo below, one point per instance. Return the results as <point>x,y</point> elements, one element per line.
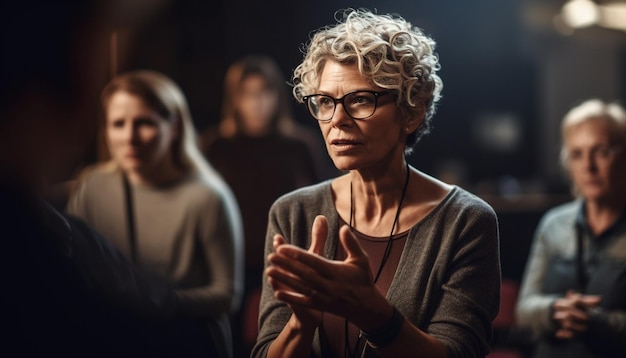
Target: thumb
<point>350,243</point>
<point>319,233</point>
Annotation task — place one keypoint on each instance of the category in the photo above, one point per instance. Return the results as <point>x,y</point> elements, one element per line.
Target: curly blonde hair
<point>388,50</point>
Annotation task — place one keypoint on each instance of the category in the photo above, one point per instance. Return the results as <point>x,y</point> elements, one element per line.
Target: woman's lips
<point>343,144</point>
<point>132,156</point>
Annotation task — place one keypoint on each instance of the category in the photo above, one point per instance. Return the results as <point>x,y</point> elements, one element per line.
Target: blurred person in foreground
<point>384,260</point>
<point>573,292</point>
<point>160,203</point>
<point>67,292</point>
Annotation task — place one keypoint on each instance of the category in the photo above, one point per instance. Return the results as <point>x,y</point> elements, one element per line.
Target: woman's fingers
<point>305,265</point>
<point>313,258</point>
<point>288,272</point>
<point>289,280</point>
<point>287,295</point>
<point>278,240</point>
<point>319,233</point>
<point>292,289</point>
<point>313,266</point>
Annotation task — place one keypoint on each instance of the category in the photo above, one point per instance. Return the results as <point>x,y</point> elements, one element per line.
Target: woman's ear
<point>415,121</point>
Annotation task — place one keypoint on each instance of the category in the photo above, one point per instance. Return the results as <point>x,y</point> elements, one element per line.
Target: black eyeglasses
<point>357,104</point>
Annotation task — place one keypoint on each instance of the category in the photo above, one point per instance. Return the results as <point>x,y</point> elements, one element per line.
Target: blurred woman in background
<point>160,203</point>
<point>573,293</point>
<point>262,153</point>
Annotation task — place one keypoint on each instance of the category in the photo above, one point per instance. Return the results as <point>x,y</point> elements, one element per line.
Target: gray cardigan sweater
<point>448,278</point>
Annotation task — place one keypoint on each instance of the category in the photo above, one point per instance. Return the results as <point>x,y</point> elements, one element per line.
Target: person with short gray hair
<point>573,292</point>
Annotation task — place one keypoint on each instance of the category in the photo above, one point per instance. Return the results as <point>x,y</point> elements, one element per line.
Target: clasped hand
<point>311,284</point>
<point>571,314</point>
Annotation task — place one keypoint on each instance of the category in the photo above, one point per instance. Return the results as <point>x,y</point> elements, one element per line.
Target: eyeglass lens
<point>358,105</point>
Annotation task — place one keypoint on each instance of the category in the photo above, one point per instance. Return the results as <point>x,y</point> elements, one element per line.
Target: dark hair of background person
<point>261,155</point>
<point>283,121</point>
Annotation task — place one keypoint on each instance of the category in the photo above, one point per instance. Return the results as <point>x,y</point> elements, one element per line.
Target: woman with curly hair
<point>383,260</point>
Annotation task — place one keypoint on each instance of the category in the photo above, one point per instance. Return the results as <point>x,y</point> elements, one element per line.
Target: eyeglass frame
<point>376,94</point>
<point>600,152</point>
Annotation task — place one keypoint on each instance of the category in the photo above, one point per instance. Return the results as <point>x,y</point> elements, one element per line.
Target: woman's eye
<point>362,99</point>
<point>147,122</point>
<point>117,123</point>
<point>324,101</point>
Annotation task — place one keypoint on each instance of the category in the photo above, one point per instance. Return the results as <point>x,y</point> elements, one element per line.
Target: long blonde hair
<point>164,96</point>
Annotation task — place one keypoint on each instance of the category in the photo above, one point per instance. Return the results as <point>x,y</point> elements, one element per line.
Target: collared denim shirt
<point>565,255</point>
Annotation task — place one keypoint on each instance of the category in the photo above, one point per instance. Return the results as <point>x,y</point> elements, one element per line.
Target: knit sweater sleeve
<point>291,216</point>
<point>220,238</point>
<point>533,309</point>
<point>453,265</point>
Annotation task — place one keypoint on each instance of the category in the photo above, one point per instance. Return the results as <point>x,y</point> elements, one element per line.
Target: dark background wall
<point>508,78</point>
<point>485,69</point>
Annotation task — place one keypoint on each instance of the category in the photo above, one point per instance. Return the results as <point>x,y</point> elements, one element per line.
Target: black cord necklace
<point>348,353</point>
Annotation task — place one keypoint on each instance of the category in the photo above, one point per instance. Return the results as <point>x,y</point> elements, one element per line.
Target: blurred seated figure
<point>68,292</point>
<point>159,202</point>
<point>573,293</point>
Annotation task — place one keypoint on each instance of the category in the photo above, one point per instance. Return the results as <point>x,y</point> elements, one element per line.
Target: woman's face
<point>596,164</point>
<point>360,143</point>
<point>138,138</point>
<point>256,104</point>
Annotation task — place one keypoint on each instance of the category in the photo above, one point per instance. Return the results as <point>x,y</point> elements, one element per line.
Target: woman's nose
<point>131,133</point>
<point>340,116</point>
